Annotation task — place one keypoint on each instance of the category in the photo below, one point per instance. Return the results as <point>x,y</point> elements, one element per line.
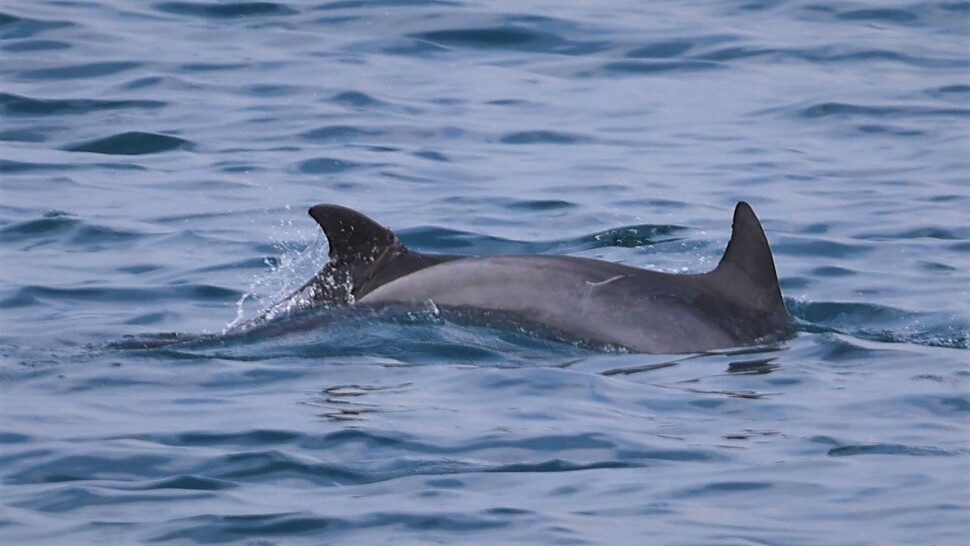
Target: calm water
<point>157,161</point>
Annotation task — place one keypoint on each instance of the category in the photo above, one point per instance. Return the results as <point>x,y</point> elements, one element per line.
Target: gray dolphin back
<point>738,303</point>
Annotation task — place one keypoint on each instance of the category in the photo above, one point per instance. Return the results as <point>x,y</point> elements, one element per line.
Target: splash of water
<point>280,289</point>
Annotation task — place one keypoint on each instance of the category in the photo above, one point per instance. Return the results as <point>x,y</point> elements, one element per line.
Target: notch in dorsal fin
<point>746,272</point>
<point>351,235</point>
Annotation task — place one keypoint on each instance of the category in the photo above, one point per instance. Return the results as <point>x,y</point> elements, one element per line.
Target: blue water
<point>156,164</point>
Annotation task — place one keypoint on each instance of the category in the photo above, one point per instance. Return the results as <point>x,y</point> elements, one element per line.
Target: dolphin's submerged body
<point>738,303</point>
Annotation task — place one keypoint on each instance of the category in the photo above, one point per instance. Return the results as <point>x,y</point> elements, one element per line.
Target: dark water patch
<point>826,55</point>
<point>74,468</point>
<point>760,366</point>
<point>881,15</point>
<point>273,90</point>
<point>844,314</point>
<point>8,166</point>
<point>228,10</point>
<point>936,267</point>
<point>512,102</point>
<point>850,450</point>
<point>958,379</point>
<point>215,529</point>
<point>877,129</point>
<point>327,165</point>
<point>647,66</point>
<point>18,299</point>
<point>63,227</point>
<point>844,110</point>
<point>551,443</point>
<point>79,71</point>
<point>339,133</point>
<point>53,222</point>
<point>237,168</point>
<point>21,167</point>
<point>958,7</point>
<point>115,294</point>
<point>381,4</point>
<point>725,488</point>
<point>142,83</point>
<point>13,27</point>
<point>218,529</point>
<point>432,155</point>
<point>650,203</point>
<point>953,406</point>
<point>679,455</point>
<point>26,46</point>
<point>736,53</point>
<point>250,438</point>
<point>23,135</point>
<point>923,232</point>
<point>661,50</point>
<point>272,463</point>
<point>132,143</point>
<point>541,137</point>
<point>878,323</point>
<point>452,522</point>
<point>381,149</point>
<point>540,205</point>
<point>12,456</point>
<point>14,105</point>
<point>956,90</point>
<point>560,465</point>
<point>832,271</point>
<point>356,99</point>
<point>10,438</point>
<point>448,240</point>
<point>93,237</point>
<point>212,67</point>
<point>510,38</point>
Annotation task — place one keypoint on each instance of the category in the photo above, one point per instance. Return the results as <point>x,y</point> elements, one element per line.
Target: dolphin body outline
<point>739,303</point>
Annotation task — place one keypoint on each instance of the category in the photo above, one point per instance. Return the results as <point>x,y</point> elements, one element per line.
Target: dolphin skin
<point>739,303</point>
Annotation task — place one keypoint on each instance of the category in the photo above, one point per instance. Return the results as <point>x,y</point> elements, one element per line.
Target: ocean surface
<point>157,160</point>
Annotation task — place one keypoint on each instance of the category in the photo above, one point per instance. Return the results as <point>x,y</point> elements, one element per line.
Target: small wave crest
<point>881,323</point>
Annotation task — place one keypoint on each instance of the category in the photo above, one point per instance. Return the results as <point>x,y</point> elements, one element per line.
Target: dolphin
<point>739,303</point>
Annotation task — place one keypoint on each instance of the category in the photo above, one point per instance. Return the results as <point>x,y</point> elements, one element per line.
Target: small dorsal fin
<point>352,236</point>
<point>747,270</point>
<point>363,256</point>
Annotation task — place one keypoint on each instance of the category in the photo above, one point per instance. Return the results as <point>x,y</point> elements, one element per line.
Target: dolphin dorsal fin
<point>351,235</point>
<point>747,270</point>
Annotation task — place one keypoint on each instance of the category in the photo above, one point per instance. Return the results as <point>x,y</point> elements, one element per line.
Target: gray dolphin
<point>738,303</point>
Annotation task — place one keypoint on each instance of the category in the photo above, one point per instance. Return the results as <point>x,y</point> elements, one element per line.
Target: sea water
<point>156,163</point>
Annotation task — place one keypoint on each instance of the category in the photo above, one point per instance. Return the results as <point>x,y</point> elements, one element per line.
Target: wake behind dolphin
<point>739,303</point>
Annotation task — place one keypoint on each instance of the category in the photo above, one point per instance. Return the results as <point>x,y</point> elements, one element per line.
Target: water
<point>157,160</point>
